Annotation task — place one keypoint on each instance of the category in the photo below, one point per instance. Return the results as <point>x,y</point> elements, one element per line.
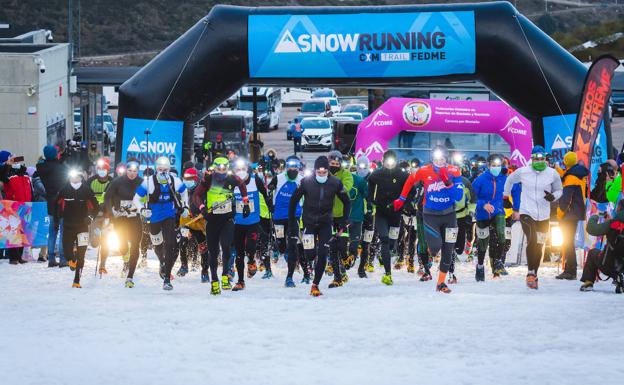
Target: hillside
<point>143,27</point>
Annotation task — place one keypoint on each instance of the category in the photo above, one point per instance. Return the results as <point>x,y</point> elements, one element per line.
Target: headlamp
<point>390,161</point>
<point>121,170</point>
<point>322,169</point>
<point>344,164</point>
<point>73,173</point>
<point>458,158</point>
<point>437,154</point>
<point>307,172</point>
<point>362,165</point>
<point>240,163</point>
<point>496,162</point>
<point>100,163</point>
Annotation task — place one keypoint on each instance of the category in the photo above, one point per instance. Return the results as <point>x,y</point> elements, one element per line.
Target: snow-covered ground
<point>497,332</point>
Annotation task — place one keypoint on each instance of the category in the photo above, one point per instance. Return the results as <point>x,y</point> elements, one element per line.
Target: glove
<point>368,217</point>
<point>146,213</point>
<point>409,210</point>
<point>204,211</point>
<point>246,210</point>
<point>445,176</point>
<point>398,203</point>
<point>549,196</point>
<point>185,212</point>
<point>507,203</point>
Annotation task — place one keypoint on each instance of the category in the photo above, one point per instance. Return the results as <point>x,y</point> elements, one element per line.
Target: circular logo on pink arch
<point>417,113</point>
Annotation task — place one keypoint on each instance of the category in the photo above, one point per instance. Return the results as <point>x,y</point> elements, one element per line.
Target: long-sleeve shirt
<point>534,185</point>
<point>439,198</point>
<point>319,200</point>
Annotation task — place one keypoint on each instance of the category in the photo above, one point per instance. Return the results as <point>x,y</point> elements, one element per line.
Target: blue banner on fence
<point>558,140</point>
<point>23,224</point>
<point>361,45</point>
<point>165,139</point>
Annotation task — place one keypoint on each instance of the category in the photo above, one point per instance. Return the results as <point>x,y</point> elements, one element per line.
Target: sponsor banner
<point>364,45</point>
<point>459,96</point>
<point>402,114</point>
<point>594,101</point>
<point>23,224</point>
<point>165,139</point>
<point>558,141</point>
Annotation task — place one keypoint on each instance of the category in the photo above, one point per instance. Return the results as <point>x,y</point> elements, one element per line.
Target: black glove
<point>246,210</point>
<point>549,196</point>
<point>409,209</point>
<point>507,203</point>
<point>368,217</point>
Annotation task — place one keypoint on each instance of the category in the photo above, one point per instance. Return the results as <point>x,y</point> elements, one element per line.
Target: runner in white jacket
<point>541,185</point>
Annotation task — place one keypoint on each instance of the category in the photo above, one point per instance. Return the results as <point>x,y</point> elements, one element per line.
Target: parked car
<point>350,115</point>
<point>77,121</point>
<point>319,107</point>
<point>344,135</point>
<point>617,103</point>
<point>111,132</point>
<point>357,107</point>
<point>334,104</point>
<point>324,93</point>
<point>299,118</point>
<point>318,134</point>
<point>234,130</point>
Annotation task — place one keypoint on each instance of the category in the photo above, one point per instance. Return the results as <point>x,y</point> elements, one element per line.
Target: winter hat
<point>538,150</point>
<point>321,162</point>
<point>570,159</point>
<point>335,155</point>
<point>4,156</point>
<point>50,152</point>
<point>191,173</point>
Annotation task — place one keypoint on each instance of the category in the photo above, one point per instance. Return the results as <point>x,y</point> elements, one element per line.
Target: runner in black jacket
<point>125,219</point>
<point>318,192</point>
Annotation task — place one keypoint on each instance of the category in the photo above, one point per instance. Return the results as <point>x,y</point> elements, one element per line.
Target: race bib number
<point>186,233</point>
<point>157,239</point>
<point>368,236</point>
<point>450,235</point>
<point>239,207</point>
<point>279,231</point>
<point>308,241</point>
<point>508,233</point>
<point>393,233</point>
<point>542,238</point>
<point>483,233</point>
<point>224,208</point>
<point>83,239</point>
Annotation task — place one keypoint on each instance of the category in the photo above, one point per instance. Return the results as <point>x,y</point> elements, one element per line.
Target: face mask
<point>16,166</point>
<point>162,177</point>
<point>189,183</point>
<point>102,173</point>
<point>334,169</point>
<point>363,172</point>
<point>242,174</point>
<point>292,174</point>
<point>76,186</point>
<point>539,165</point>
<point>220,177</point>
<point>495,170</point>
<point>321,179</point>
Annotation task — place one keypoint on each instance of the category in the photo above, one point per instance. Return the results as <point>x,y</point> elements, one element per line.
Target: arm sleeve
<point>596,229</point>
<point>614,190</point>
<point>409,183</point>
<point>292,205</point>
<point>242,187</point>
<point>516,193</point>
<point>108,200</point>
<point>141,191</point>
<point>511,180</point>
<point>347,180</point>
<point>344,198</point>
<point>556,186</point>
<point>199,196</point>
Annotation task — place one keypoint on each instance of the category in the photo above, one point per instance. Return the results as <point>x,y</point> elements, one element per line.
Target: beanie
<point>335,155</point>
<point>50,152</point>
<point>4,156</point>
<point>570,159</point>
<point>321,162</point>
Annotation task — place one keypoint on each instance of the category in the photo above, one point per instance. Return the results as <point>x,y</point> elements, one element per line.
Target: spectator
<point>17,188</point>
<point>297,132</point>
<point>571,209</point>
<point>53,174</point>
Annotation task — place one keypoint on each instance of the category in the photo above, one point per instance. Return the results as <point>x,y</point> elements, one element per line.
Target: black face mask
<point>334,169</point>
<point>292,174</point>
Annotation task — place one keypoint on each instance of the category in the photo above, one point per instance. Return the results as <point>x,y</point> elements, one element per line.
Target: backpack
<point>18,189</point>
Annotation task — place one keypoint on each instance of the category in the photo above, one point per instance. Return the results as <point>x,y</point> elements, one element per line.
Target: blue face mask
<point>189,183</point>
<point>321,179</point>
<point>162,177</point>
<point>495,170</point>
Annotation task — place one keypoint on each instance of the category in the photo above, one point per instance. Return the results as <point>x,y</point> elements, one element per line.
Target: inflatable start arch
<point>344,46</point>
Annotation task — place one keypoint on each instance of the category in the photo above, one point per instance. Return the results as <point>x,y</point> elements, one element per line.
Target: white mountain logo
<point>134,146</point>
<point>287,44</point>
<point>559,143</point>
<point>517,155</point>
<point>376,119</point>
<point>509,127</point>
<point>376,148</point>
